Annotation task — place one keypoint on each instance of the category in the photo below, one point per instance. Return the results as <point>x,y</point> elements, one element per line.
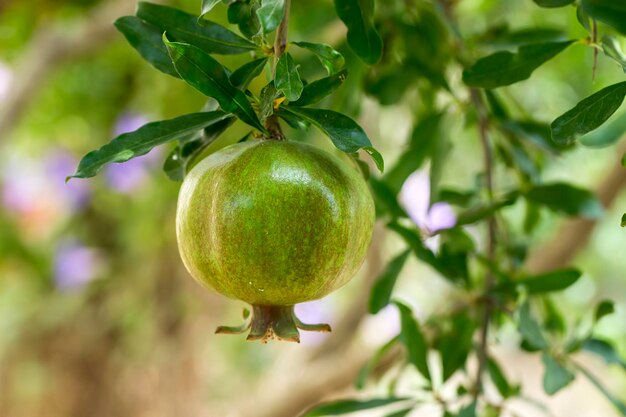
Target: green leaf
<point>611,12</point>
<point>553,3</point>
<point>183,27</point>
<point>382,289</point>
<point>413,340</point>
<point>588,114</point>
<point>414,241</point>
<point>177,164</point>
<point>499,379</point>
<point>269,93</point>
<point>612,49</point>
<point>319,89</point>
<point>142,140</point>
<point>454,346</point>
<point>358,16</point>
<point>548,282</point>
<point>208,5</point>
<point>605,308</point>
<point>147,40</point>
<point>208,76</point>
<point>243,75</point>
<point>583,19</point>
<point>606,351</point>
<point>566,198</point>
<point>530,329</point>
<point>332,60</point>
<point>619,405</point>
<point>270,14</point>
<point>421,144</point>
<point>340,407</point>
<point>244,15</point>
<point>287,78</point>
<point>607,134</point>
<point>401,413</point>
<point>373,362</point>
<point>468,411</point>
<point>534,132</point>
<point>556,376</point>
<point>623,222</point>
<point>505,68</point>
<point>503,38</point>
<point>344,132</point>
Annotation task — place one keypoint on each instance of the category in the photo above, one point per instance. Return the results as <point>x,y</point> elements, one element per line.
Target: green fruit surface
<point>274,222</point>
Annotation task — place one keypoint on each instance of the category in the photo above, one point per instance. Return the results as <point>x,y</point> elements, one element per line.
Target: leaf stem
<point>594,40</point>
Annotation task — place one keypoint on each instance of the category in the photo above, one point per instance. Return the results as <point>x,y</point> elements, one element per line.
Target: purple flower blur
<point>34,191</point>
<point>75,266</point>
<point>415,197</point>
<point>58,166</point>
<point>130,175</point>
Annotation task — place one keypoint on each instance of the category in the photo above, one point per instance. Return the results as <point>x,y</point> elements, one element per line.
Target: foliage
<point>452,73</point>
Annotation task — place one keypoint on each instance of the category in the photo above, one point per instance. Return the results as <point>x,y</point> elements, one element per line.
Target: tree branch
<point>483,127</point>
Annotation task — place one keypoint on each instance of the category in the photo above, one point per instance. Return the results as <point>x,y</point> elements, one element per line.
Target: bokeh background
<point>98,316</point>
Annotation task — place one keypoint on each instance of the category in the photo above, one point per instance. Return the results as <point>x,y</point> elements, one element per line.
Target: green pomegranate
<point>273,223</point>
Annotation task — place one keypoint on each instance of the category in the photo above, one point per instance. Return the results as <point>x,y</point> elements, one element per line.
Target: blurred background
<point>98,316</point>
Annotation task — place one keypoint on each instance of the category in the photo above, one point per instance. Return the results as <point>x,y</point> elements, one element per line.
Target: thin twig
<point>483,127</point>
<point>280,43</point>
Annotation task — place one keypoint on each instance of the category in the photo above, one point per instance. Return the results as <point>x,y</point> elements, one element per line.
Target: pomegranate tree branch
<point>280,43</point>
<point>483,127</point>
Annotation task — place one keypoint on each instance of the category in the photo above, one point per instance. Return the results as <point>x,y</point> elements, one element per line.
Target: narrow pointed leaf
<point>270,14</point>
<point>607,134</point>
<point>147,39</point>
<point>529,328</point>
<point>413,340</point>
<point>208,5</point>
<point>603,309</point>
<point>341,407</point>
<point>553,3</point>
<point>319,89</point>
<point>183,27</point>
<point>606,351</point>
<point>611,12</point>
<point>142,140</point>
<point>208,76</point>
<point>358,16</point>
<point>543,283</point>
<point>505,68</point>
<point>344,132</point>
<point>382,289</point>
<point>332,60</point>
<point>623,222</point>
<point>588,114</point>
<point>556,376</point>
<point>566,198</point>
<point>287,78</point>
<point>178,162</point>
<point>401,413</point>
<point>243,75</point>
<point>499,379</point>
<point>612,49</point>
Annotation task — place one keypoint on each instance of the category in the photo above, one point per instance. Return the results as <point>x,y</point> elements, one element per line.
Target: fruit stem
<point>269,322</point>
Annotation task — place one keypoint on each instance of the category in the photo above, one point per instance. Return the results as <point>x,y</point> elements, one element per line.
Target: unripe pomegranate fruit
<point>274,223</point>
